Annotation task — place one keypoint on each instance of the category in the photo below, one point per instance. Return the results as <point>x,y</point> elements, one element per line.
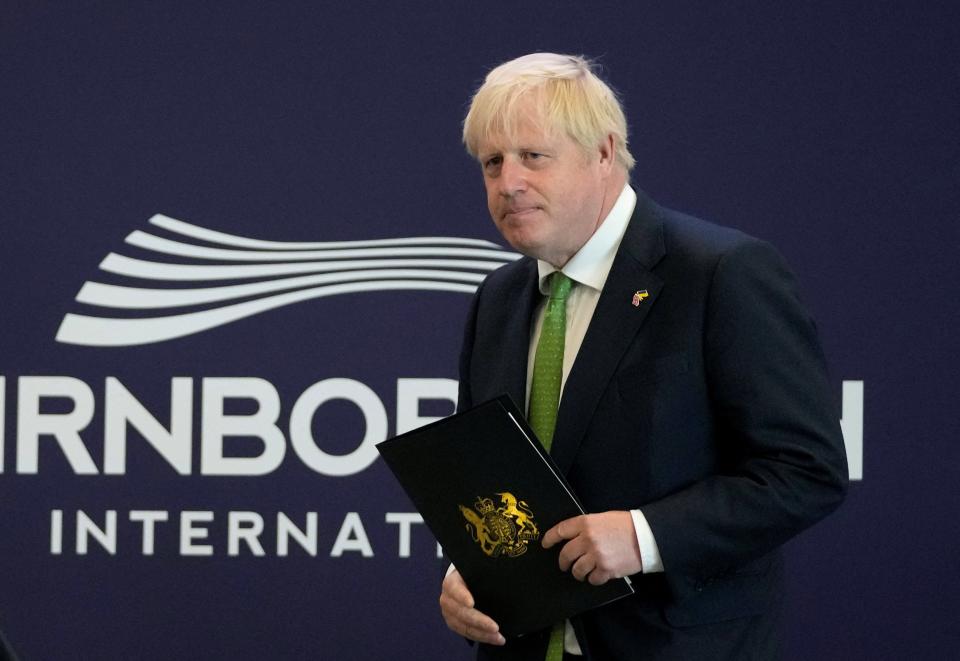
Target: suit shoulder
<point>676,244</point>
<point>699,239</point>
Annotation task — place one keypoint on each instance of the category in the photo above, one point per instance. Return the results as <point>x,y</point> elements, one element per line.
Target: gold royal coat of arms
<point>504,530</point>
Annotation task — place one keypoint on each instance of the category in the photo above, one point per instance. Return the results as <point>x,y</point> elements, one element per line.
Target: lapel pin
<point>639,296</point>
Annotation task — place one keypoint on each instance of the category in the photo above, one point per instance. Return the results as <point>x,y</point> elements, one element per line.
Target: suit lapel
<point>612,329</point>
<point>514,342</point>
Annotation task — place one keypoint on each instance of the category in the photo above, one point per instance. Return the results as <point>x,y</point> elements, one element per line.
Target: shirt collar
<point>591,264</point>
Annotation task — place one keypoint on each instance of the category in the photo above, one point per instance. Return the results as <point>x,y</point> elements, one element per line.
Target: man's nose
<point>513,177</point>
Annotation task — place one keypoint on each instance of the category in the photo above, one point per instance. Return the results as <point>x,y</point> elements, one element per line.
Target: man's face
<point>544,192</point>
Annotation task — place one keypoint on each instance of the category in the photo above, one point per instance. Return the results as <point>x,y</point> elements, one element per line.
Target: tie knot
<point>560,285</point>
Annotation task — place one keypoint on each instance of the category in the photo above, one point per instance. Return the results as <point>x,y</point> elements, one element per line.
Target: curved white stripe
<point>139,268</point>
<point>137,298</point>
<point>213,236</point>
<point>96,331</point>
<point>166,246</point>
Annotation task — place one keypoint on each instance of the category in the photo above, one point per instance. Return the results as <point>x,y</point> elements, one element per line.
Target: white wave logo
<point>279,274</point>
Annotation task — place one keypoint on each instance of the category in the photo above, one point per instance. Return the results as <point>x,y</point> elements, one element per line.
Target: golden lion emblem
<point>504,530</point>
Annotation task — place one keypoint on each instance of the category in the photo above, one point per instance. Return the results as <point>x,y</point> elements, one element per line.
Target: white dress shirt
<point>589,269</point>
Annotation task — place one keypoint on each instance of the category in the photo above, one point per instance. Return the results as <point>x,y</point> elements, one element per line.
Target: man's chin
<point>533,249</point>
<point>526,242</point>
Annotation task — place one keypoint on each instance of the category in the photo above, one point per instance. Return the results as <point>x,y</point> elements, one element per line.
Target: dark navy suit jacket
<point>707,406</point>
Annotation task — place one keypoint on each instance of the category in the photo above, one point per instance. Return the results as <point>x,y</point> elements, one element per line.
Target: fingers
<point>473,624</point>
<point>596,547</point>
<point>456,605</point>
<point>456,590</point>
<point>584,562</point>
<point>566,529</point>
<point>598,577</point>
<point>573,551</point>
<point>582,567</point>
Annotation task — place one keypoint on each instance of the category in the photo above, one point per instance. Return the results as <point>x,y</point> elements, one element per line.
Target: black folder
<point>488,491</point>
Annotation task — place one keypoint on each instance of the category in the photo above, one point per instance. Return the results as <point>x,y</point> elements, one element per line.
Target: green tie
<point>548,363</point>
<point>545,394</point>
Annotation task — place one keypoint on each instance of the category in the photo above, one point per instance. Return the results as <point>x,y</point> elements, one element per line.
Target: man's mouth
<point>519,211</point>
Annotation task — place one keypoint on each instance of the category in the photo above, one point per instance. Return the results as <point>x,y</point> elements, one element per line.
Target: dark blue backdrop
<point>831,129</point>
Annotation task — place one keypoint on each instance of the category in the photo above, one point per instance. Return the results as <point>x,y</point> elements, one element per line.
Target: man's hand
<point>599,547</point>
<point>456,604</point>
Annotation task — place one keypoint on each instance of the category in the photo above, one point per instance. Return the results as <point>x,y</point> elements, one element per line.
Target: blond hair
<point>570,96</point>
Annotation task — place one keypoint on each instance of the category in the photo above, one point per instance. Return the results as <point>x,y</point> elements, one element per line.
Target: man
<point>696,422</point>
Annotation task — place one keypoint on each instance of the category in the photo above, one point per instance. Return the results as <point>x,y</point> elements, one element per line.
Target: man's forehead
<point>522,131</point>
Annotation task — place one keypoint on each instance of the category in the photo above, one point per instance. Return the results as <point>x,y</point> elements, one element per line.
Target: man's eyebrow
<point>537,149</point>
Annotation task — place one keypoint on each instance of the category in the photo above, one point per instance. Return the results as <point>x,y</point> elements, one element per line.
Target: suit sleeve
<point>783,465</point>
<point>465,397</point>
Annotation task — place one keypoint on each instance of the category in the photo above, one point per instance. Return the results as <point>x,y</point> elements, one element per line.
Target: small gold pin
<point>639,296</point>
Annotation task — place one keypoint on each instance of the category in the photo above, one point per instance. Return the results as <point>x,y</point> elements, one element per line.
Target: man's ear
<point>608,154</point>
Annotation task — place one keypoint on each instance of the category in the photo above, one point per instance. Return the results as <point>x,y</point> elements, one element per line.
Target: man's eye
<point>492,162</point>
<point>532,155</point>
